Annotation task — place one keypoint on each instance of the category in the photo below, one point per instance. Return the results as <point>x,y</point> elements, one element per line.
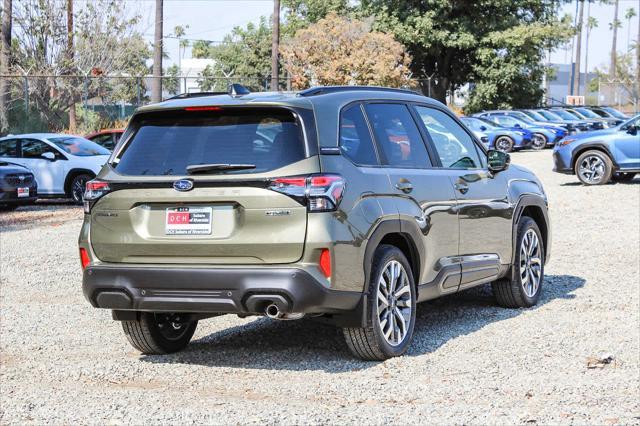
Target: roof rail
<point>195,95</point>
<point>322,90</point>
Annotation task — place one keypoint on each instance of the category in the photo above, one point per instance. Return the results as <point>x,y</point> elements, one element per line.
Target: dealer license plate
<point>188,221</point>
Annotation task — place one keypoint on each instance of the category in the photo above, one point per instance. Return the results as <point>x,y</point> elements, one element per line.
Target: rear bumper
<point>11,197</point>
<point>212,290</point>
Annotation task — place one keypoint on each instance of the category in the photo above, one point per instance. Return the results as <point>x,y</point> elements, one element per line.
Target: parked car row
<point>509,130</point>
<point>60,163</point>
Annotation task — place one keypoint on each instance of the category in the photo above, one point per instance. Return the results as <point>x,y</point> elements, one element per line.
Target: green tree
<point>105,43</point>
<point>299,14</point>
<point>244,53</point>
<point>629,15</point>
<point>448,39</point>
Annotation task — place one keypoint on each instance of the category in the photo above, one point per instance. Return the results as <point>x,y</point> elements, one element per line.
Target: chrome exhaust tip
<point>273,312</point>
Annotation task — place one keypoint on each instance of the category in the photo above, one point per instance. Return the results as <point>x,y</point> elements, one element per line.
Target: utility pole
<point>156,84</point>
<point>275,42</point>
<point>576,80</point>
<point>70,55</point>
<point>638,63</point>
<point>5,62</point>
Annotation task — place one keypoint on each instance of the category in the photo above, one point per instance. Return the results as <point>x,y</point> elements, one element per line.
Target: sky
<point>212,19</point>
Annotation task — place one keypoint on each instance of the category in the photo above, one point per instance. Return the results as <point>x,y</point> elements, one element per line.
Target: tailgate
<point>230,225</point>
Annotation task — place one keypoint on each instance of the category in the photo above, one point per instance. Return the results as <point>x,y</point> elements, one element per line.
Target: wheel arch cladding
<point>391,232</point>
<point>72,174</point>
<point>535,208</point>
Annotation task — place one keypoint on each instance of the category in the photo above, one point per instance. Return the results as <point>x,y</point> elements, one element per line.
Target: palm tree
<point>592,23</point>
<point>613,26</point>
<point>575,90</point>
<point>629,15</point>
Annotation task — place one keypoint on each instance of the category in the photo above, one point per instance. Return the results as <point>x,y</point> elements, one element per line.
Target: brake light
<point>203,108</point>
<point>320,193</point>
<point>325,263</point>
<point>84,258</point>
<point>94,189</point>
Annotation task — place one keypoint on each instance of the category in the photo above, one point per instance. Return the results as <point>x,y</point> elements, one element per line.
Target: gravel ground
<point>62,361</point>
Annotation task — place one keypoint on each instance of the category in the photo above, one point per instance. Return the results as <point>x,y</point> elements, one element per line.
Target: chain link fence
<point>42,103</point>
<point>620,93</point>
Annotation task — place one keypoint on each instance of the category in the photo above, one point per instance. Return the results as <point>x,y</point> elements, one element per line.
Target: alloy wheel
<point>539,141</point>
<point>504,144</point>
<point>394,303</point>
<point>592,169</point>
<point>77,190</point>
<point>530,263</point>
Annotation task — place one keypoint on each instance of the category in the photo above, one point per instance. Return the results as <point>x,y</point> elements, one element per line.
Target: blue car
<point>542,135</point>
<point>498,137</point>
<point>602,155</point>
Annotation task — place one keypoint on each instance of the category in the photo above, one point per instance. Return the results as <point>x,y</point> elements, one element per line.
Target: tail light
<point>320,193</point>
<point>325,263</point>
<point>94,189</point>
<point>84,258</point>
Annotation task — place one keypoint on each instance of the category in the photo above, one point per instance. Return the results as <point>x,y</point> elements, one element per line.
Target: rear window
<point>79,146</point>
<point>165,143</point>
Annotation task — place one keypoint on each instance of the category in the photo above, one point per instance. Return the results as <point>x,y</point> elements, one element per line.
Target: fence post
<point>138,88</point>
<point>26,95</point>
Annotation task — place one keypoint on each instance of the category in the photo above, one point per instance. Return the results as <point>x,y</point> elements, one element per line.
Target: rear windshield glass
<point>79,146</point>
<point>166,143</point>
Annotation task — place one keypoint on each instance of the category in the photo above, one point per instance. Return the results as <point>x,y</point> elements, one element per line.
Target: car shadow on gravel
<point>578,183</point>
<point>309,345</point>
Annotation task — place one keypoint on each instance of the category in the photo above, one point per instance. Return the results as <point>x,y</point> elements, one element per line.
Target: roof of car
<point>315,96</point>
<point>38,135</point>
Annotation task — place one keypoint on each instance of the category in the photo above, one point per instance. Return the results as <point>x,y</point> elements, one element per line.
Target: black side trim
<point>524,202</point>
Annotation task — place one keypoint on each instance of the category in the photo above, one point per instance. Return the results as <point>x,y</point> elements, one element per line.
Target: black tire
<point>369,342</point>
<point>504,143</point>
<point>153,333</point>
<point>76,188</point>
<point>623,177</point>
<point>605,171</point>
<point>510,291</point>
<point>539,141</point>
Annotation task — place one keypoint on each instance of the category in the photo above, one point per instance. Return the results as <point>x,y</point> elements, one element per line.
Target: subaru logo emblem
<point>183,185</point>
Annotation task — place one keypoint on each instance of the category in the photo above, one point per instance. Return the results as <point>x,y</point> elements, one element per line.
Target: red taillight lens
<point>325,263</point>
<point>321,193</point>
<point>203,108</point>
<point>94,189</point>
<point>84,258</point>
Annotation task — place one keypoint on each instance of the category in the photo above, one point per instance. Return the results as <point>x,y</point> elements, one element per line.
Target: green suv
<point>348,204</point>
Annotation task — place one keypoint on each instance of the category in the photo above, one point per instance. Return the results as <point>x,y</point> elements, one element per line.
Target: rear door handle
<point>462,187</point>
<point>404,186</point>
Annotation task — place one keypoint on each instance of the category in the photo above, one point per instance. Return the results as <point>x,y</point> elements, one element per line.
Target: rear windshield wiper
<point>203,168</point>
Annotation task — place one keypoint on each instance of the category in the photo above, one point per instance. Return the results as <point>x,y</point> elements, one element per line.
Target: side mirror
<point>498,160</point>
<point>483,128</point>
<point>632,130</point>
<point>49,156</point>
<point>517,125</point>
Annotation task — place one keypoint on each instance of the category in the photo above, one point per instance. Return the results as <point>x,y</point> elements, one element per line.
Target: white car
<point>61,164</point>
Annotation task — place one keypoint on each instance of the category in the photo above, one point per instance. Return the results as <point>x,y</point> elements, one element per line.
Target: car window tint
<point>355,138</point>
<point>9,148</point>
<point>167,142</point>
<point>504,120</point>
<point>454,145</point>
<point>105,140</point>
<point>397,135</point>
<point>32,148</point>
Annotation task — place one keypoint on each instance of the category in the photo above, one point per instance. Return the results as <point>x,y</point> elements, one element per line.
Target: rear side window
<point>397,135</point>
<point>165,143</point>
<point>9,148</point>
<point>355,139</point>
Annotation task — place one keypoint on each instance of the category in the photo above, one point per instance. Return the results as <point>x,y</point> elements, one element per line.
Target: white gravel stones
<point>62,361</point>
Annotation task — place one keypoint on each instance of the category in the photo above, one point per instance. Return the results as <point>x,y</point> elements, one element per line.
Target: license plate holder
<point>188,220</point>
<point>23,192</point>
